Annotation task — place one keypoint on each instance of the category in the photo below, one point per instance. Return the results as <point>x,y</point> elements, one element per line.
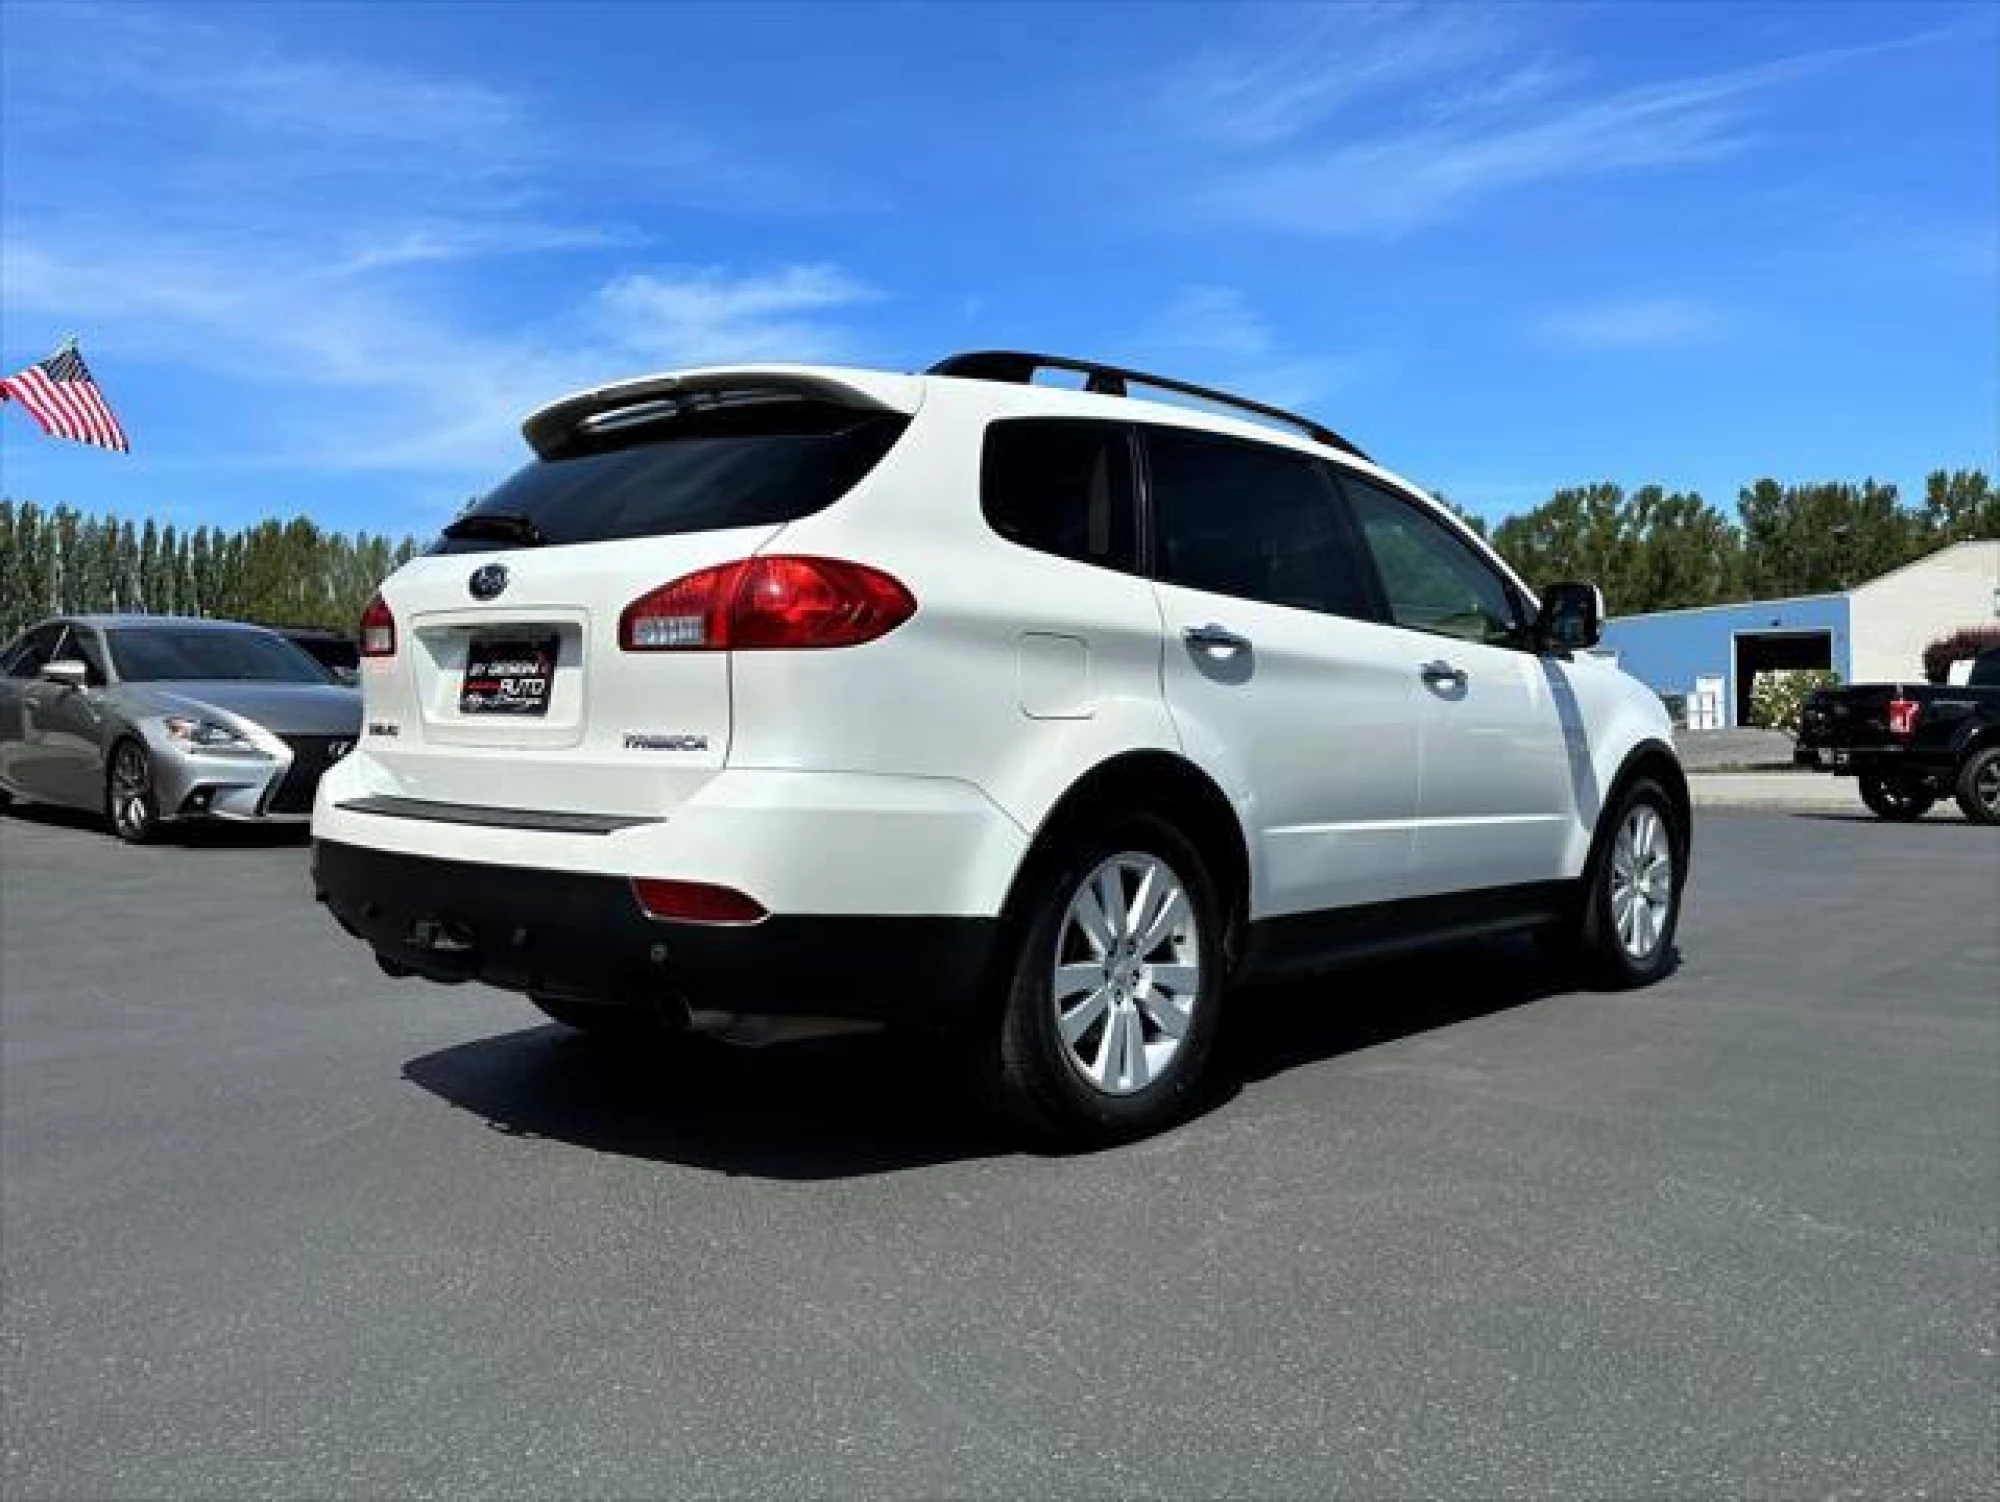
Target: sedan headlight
<point>206,735</point>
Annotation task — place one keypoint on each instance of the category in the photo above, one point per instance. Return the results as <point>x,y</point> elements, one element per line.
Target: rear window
<point>697,468</point>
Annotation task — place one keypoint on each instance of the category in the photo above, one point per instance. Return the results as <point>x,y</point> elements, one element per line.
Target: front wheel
<point>1633,902</point>
<point>1116,988</point>
<point>129,800</point>
<point>1896,798</point>
<point>1979,786</point>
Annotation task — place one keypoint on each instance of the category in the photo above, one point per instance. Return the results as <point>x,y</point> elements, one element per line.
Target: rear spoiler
<point>550,427</point>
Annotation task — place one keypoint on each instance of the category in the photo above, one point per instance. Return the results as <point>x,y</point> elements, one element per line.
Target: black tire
<point>1979,786</point>
<point>134,810</point>
<point>1039,1083</point>
<point>1896,799</point>
<point>1603,949</point>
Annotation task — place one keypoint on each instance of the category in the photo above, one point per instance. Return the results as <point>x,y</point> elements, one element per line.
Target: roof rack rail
<point>1018,367</point>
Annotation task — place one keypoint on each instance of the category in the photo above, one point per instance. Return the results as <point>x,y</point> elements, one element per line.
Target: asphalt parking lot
<point>274,1224</point>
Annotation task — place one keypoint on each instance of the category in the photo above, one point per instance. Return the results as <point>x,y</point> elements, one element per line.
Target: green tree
<point>1960,505</point>
<point>1822,537</point>
<point>1471,518</point>
<point>1681,551</point>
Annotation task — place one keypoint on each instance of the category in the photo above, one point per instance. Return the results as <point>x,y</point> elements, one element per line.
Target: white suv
<point>967,702</point>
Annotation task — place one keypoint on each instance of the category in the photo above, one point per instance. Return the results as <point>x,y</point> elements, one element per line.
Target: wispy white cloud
<point>1311,64</point>
<point>691,316</point>
<point>419,389</point>
<point>1212,320</point>
<point>289,222</point>
<point>1216,335</point>
<point>1295,146</point>
<point>1661,323</point>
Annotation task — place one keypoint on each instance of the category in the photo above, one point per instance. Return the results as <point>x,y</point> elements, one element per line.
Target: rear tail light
<point>694,901</point>
<point>1902,716</point>
<point>765,603</point>
<point>378,629</point>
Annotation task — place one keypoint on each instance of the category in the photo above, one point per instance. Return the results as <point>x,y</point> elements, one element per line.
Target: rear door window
<point>745,461</point>
<point>1063,486</point>
<point>1252,521</point>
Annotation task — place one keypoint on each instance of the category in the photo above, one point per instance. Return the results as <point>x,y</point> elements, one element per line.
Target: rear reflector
<point>378,629</point>
<point>767,603</point>
<point>1902,716</point>
<point>694,901</point>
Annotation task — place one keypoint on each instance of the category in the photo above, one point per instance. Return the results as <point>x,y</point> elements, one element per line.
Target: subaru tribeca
<point>964,702</point>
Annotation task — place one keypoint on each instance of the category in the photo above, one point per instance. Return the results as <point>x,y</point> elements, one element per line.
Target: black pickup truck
<point>1912,744</point>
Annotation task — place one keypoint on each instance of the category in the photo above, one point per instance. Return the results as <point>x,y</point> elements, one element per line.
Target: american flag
<point>60,395</point>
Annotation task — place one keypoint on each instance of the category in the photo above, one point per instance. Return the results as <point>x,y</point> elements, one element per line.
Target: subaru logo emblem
<point>487,582</point>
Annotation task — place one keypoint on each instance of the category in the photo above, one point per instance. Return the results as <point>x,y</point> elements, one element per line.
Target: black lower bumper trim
<point>576,934</point>
<point>494,818</point>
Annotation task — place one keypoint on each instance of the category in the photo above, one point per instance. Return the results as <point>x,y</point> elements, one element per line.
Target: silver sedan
<point>152,719</point>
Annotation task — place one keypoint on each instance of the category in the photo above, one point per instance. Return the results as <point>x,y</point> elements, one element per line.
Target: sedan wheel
<point>129,799</point>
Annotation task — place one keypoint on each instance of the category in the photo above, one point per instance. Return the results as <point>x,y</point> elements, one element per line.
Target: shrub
<point>1777,696</point>
<point>1969,642</point>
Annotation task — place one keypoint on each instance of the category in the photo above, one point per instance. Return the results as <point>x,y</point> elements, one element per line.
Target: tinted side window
<point>30,654</point>
<point>82,644</point>
<point>1258,523</point>
<point>1062,486</point>
<point>1431,580</point>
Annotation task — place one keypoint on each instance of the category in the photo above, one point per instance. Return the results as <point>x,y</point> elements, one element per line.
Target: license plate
<point>508,675</point>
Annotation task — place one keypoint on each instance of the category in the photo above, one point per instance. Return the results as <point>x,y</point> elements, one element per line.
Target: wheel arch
<point>1652,758</point>
<point>1169,787</point>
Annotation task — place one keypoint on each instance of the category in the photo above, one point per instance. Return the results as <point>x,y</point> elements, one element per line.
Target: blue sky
<point>323,258</point>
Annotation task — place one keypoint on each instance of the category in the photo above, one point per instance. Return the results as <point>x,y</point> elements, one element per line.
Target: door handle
<point>1441,674</point>
<point>1214,638</point>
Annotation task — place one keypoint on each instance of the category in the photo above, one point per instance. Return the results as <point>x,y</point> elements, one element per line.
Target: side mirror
<point>67,671</point>
<point>1571,619</point>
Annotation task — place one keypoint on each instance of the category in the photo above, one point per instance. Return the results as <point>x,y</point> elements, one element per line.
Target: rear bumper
<point>582,935</point>
<point>1874,761</point>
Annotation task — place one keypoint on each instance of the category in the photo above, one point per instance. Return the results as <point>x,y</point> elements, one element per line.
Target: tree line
<point>282,573</point>
<point>1654,549</point>
<point>1650,549</point>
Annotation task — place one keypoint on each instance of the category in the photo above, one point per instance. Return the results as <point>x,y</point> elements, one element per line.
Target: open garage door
<point>1770,651</point>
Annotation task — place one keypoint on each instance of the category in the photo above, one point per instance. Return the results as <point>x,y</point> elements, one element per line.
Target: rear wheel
<point>129,800</point>
<point>1633,902</point>
<point>1979,786</point>
<point>1116,989</point>
<point>1897,798</point>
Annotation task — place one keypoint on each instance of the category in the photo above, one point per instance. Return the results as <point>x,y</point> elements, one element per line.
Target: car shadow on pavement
<point>1937,816</point>
<point>877,1103</point>
<point>198,834</point>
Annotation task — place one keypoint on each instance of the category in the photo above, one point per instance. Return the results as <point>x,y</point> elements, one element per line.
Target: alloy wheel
<point>131,791</point>
<point>1127,973</point>
<point>1986,786</point>
<point>1642,881</point>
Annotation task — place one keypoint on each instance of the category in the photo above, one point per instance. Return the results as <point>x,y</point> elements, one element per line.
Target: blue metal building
<point>1674,651</point>
<point>1872,633</point>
